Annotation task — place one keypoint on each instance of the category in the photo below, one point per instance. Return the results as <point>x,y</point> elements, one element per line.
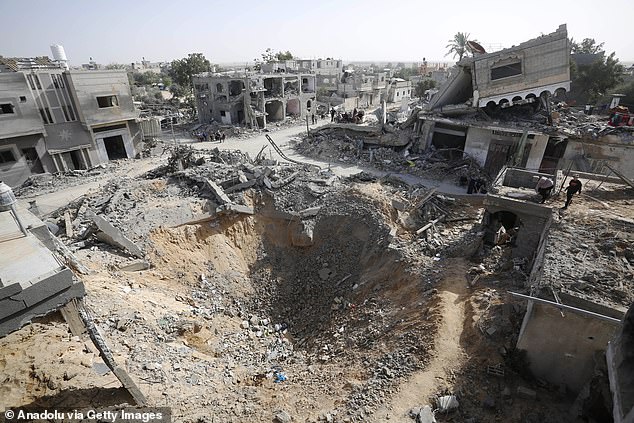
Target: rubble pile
<point>600,268</point>
<point>435,164</point>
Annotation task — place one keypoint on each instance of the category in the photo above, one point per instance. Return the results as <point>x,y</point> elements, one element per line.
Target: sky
<point>124,31</point>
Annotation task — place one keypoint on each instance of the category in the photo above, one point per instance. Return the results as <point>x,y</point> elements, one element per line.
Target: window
<point>506,70</point>
<point>58,82</point>
<point>223,113</point>
<point>22,99</point>
<point>6,108</point>
<point>46,115</point>
<point>107,101</point>
<point>29,78</point>
<point>6,156</point>
<point>36,79</point>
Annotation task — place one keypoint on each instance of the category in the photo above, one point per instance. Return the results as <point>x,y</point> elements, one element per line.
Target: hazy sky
<point>123,31</point>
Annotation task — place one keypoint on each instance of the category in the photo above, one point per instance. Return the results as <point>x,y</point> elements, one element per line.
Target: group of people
<point>215,136</point>
<point>545,186</point>
<point>355,117</point>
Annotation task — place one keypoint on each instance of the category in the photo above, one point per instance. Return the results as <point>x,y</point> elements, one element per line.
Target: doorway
<point>33,160</point>
<point>115,147</point>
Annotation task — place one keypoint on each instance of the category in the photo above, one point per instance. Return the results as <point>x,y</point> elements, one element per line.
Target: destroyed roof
<point>521,46</point>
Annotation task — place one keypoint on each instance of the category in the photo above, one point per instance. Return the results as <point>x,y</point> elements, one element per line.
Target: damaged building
<point>54,120</point>
<point>503,108</point>
<point>253,99</point>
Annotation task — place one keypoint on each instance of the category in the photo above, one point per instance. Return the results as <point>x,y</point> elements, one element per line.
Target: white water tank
<point>59,55</point>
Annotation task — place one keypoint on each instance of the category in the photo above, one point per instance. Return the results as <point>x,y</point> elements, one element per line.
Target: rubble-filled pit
<point>341,319</point>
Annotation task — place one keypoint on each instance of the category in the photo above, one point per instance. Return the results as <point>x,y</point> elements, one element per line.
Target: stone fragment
<point>282,417</point>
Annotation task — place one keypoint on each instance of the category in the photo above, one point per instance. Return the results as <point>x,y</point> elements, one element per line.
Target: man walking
<point>544,186</point>
<point>573,187</point>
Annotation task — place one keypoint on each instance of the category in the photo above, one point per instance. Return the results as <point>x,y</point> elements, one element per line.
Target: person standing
<point>544,186</point>
<point>574,186</point>
<point>332,114</point>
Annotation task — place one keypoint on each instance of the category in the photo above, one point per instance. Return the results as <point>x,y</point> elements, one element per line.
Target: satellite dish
<point>475,47</point>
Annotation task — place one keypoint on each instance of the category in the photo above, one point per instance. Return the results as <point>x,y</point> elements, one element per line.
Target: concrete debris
<point>425,415</point>
<point>447,403</point>
<point>135,266</point>
<point>111,235</point>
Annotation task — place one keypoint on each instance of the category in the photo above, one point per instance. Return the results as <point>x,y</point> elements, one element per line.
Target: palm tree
<point>458,45</point>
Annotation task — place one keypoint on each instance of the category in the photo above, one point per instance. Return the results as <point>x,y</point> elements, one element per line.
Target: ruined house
<point>54,120</point>
<point>253,99</point>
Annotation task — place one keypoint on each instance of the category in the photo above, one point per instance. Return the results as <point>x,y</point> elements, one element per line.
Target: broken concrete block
<point>282,417</point>
<point>447,403</point>
<point>113,236</point>
<point>267,182</point>
<point>312,211</point>
<point>218,192</point>
<point>425,415</point>
<point>135,266</point>
<point>399,205</point>
<point>527,393</point>
<point>238,208</point>
<point>240,186</point>
<point>301,236</point>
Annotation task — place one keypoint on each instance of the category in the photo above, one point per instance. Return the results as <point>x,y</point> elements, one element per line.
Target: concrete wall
<point>15,173</point>
<point>538,147</point>
<point>620,357</point>
<point>534,218</point>
<point>477,144</point>
<point>523,178</point>
<point>566,358</point>
<point>88,85</point>
<point>620,155</point>
<point>26,118</point>
<point>544,63</point>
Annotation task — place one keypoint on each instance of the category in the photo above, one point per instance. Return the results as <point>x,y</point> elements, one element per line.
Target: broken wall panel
<point>568,358</point>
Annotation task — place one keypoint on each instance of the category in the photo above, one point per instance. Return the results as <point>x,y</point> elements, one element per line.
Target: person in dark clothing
<point>332,114</point>
<point>573,187</point>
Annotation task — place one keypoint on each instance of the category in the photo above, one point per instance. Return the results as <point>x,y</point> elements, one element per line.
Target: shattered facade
<point>511,76</point>
<point>33,281</point>
<point>56,120</point>
<point>254,100</point>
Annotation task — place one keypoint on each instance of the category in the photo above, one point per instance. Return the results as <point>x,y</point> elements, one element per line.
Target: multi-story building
<point>52,120</point>
<point>253,99</point>
<point>398,89</point>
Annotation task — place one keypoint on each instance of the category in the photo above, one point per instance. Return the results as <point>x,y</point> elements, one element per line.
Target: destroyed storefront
<point>492,147</point>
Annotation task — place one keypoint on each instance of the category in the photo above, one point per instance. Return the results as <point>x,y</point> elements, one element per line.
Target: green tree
<point>270,56</point>
<point>166,80</point>
<point>182,70</point>
<point>116,66</point>
<point>146,78</point>
<point>178,90</point>
<point>458,45</point>
<point>591,81</point>
<point>588,46</point>
<point>422,86</point>
<point>406,73</point>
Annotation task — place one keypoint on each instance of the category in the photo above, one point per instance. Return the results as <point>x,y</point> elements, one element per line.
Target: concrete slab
<point>114,236</point>
<point>23,258</point>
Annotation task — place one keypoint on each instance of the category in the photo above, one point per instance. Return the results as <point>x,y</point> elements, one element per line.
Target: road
<point>47,203</point>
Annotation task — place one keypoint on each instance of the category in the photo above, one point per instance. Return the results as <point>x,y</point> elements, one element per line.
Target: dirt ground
<point>233,322</point>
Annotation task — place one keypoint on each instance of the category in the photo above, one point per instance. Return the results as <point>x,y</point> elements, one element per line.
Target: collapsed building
<point>53,120</point>
<point>507,107</point>
<point>253,99</point>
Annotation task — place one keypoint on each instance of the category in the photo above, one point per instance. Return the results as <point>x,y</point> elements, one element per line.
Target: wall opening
<point>450,138</point>
<point>507,70</point>
<point>6,108</point>
<point>235,88</point>
<point>107,101</point>
<point>219,87</point>
<point>273,87</point>
<point>274,111</point>
<point>115,147</point>
<point>33,160</point>
<point>502,228</point>
<point>292,107</point>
